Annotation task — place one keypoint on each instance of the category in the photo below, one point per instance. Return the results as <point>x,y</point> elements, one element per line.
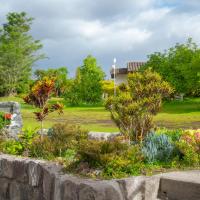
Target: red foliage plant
<point>39,96</point>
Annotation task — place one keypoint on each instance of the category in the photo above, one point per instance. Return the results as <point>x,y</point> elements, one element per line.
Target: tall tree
<point>87,85</point>
<point>91,76</point>
<point>179,65</point>
<point>18,52</point>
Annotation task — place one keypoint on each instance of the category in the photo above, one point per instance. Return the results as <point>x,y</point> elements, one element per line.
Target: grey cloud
<point>128,30</point>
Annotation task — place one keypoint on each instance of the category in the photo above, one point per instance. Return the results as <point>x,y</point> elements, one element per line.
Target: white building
<point>121,74</point>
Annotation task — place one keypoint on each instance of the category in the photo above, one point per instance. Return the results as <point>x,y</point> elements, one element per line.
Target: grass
<point>174,114</point>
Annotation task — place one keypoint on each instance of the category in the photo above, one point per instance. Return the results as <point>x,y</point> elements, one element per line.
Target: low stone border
<point>28,179</point>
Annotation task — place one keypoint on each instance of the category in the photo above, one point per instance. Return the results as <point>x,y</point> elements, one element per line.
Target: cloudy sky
<point>125,29</point>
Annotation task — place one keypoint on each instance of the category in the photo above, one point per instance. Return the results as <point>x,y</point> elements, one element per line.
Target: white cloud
<point>129,30</point>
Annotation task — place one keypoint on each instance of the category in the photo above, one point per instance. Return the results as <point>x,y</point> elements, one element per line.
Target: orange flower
<point>8,116</point>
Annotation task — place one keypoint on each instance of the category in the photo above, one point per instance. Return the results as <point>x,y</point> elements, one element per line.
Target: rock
<point>28,179</point>
<point>43,131</point>
<point>102,135</point>
<point>16,122</point>
<point>69,188</point>
<point>180,185</point>
<point>151,187</point>
<point>49,173</point>
<point>99,190</point>
<point>34,173</point>
<point>4,188</point>
<point>133,188</point>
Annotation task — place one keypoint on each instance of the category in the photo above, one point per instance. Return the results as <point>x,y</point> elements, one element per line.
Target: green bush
<point>189,146</point>
<point>60,138</point>
<point>157,148</point>
<point>12,146</point>
<point>41,147</point>
<point>128,163</point>
<point>114,158</point>
<point>174,135</point>
<point>94,152</point>
<point>189,155</point>
<point>18,147</point>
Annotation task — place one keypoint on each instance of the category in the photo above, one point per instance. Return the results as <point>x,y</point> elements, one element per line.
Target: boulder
<point>102,135</point>
<point>16,122</point>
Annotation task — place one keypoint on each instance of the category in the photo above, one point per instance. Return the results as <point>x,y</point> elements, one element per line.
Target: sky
<point>129,30</point>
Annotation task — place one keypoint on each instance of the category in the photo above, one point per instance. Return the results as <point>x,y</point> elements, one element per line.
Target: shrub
<point>42,148</point>
<point>128,163</point>
<point>60,139</point>
<point>114,158</point>
<point>18,147</point>
<point>12,146</point>
<point>189,146</point>
<point>157,148</point>
<point>135,104</point>
<point>94,152</point>
<point>174,135</point>
<point>39,96</point>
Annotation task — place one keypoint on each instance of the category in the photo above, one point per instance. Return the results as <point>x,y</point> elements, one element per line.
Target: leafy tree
<point>91,76</point>
<point>59,75</point>
<point>86,87</point>
<point>179,65</point>
<point>18,53</point>
<point>73,92</point>
<point>39,96</point>
<point>135,104</point>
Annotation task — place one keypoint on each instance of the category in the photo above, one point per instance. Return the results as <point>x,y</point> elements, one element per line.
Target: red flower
<point>8,116</point>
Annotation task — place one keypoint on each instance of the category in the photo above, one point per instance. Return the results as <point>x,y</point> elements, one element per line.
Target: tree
<point>91,76</point>
<point>135,104</point>
<point>179,65</point>
<point>86,87</point>
<point>59,75</point>
<point>18,53</point>
<point>39,97</point>
<point>73,91</point>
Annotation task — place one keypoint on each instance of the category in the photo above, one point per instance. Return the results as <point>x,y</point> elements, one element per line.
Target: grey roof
<point>131,67</point>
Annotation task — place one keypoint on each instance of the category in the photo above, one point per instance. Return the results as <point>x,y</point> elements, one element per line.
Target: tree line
<point>19,51</point>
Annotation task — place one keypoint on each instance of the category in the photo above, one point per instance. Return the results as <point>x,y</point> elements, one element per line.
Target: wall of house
<point>121,78</point>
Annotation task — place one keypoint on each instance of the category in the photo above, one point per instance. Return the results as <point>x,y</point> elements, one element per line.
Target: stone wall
<point>16,123</point>
<point>27,179</point>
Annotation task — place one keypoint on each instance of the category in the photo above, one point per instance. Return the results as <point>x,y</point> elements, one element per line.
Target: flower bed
<point>161,151</point>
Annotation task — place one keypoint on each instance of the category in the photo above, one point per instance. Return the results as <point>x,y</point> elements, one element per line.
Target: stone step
<point>180,186</point>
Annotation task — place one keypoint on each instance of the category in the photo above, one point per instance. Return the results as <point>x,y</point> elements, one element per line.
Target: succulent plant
<point>157,147</point>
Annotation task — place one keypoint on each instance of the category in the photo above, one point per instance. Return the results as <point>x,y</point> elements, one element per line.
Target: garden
<point>141,148</point>
<point>157,132</point>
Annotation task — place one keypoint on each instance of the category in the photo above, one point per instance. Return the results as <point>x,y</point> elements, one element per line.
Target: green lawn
<point>174,114</point>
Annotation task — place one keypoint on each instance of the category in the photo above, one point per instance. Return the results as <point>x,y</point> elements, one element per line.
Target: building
<point>121,74</point>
